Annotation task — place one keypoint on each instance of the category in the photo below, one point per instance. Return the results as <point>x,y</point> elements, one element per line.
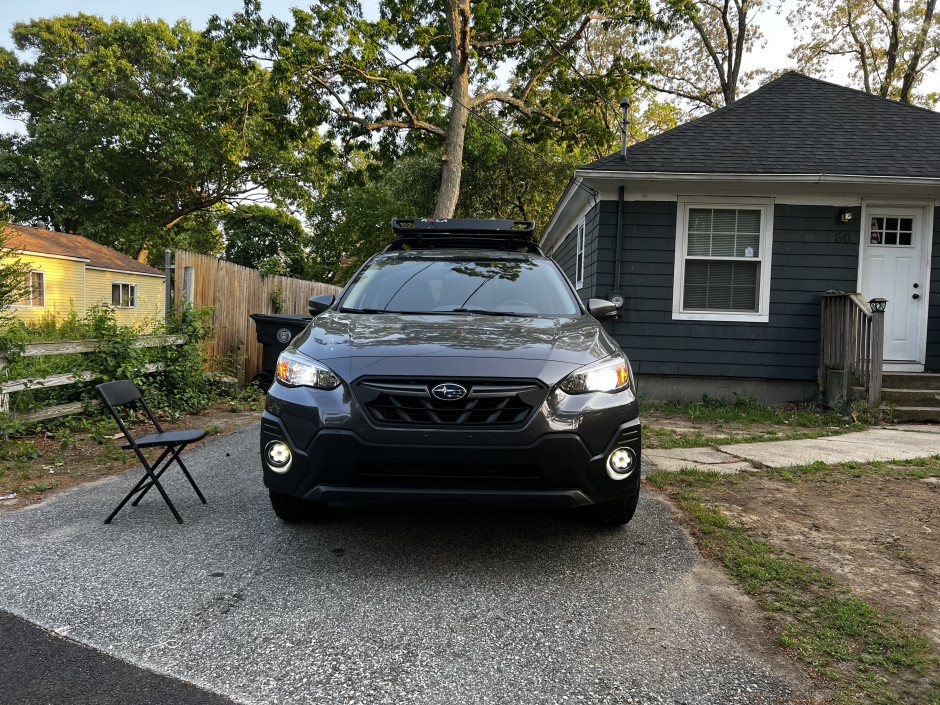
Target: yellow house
<point>70,272</point>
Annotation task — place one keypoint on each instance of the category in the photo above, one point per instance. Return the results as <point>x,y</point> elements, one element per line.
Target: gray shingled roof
<point>795,125</point>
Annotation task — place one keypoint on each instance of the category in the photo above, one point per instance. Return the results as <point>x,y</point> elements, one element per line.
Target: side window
<point>723,262</point>
<point>579,262</point>
<point>35,291</point>
<point>124,295</point>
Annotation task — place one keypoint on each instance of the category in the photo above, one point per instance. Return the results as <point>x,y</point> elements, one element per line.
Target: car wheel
<point>295,510</point>
<point>263,381</point>
<point>617,512</point>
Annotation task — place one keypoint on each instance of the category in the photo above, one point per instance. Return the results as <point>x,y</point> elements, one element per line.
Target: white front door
<point>894,268</point>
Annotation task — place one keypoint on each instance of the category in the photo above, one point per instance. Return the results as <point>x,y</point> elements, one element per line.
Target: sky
<point>773,56</point>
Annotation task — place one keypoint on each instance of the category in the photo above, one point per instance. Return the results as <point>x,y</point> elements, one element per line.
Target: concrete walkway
<point>900,442</point>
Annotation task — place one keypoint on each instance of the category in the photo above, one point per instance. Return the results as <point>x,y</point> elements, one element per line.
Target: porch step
<point>914,413</point>
<point>914,395</point>
<point>911,380</point>
<point>919,397</point>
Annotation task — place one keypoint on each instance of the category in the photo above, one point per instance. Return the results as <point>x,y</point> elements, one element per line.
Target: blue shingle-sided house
<point>722,233</point>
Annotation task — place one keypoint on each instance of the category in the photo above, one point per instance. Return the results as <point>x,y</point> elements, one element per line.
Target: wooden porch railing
<point>852,340</point>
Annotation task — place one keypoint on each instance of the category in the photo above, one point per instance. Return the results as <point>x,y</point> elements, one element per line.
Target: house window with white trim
<point>34,294</point>
<point>579,258</point>
<point>124,295</point>
<point>723,261</point>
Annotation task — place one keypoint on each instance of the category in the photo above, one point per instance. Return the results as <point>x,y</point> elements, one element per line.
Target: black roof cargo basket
<point>471,233</point>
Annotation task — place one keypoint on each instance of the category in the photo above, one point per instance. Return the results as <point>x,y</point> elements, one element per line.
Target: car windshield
<point>510,287</point>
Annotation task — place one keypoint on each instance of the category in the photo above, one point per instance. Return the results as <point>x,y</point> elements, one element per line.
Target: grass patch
<point>665,438</point>
<point>870,656</point>
<point>914,468</point>
<point>748,411</point>
<point>742,420</point>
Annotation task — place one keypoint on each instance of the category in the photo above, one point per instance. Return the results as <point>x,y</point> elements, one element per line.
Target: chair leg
<point>154,480</point>
<point>175,456</point>
<point>189,477</point>
<point>144,490</point>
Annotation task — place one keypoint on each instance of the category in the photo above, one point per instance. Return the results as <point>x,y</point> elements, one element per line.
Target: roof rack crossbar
<point>417,227</point>
<point>472,241</point>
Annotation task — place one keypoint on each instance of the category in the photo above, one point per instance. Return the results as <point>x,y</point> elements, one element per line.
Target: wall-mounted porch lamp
<point>845,215</point>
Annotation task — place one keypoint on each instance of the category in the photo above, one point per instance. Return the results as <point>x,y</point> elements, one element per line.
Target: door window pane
<point>897,232</point>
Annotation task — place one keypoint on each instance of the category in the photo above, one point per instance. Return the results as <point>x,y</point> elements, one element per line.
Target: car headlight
<point>609,375</point>
<point>298,370</point>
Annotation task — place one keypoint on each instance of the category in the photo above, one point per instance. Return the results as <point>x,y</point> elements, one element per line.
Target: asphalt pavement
<point>376,604</point>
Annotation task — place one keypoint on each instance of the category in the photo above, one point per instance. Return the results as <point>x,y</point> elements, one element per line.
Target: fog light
<point>620,463</point>
<point>278,456</point>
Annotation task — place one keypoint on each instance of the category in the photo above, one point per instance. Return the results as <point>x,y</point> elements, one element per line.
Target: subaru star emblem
<point>449,392</point>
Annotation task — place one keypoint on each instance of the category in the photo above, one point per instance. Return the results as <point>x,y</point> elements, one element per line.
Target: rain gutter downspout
<point>617,252</point>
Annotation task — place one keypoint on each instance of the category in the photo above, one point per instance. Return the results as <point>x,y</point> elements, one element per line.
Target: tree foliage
<point>701,57</point>
<point>266,239</point>
<point>13,272</point>
<point>891,45</point>
<point>424,67</point>
<point>133,127</point>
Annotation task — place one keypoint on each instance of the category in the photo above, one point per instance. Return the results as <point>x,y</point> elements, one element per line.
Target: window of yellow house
<point>35,290</point>
<point>124,295</point>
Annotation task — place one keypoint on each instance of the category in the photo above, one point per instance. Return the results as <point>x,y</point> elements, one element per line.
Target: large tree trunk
<point>458,21</point>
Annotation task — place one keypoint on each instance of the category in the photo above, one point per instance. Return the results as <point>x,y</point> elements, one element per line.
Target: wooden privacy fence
<point>235,292</point>
<point>852,340</point>
<point>68,347</point>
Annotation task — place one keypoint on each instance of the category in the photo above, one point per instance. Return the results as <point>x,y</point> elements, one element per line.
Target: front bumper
<point>559,458</point>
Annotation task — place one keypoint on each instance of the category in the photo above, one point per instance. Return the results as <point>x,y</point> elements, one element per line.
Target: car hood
<point>400,344</point>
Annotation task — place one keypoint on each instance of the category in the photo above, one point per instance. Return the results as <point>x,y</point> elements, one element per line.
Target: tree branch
<point>567,44</point>
<point>508,99</point>
<point>496,43</point>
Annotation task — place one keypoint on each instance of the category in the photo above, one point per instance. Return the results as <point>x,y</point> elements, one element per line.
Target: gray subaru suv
<point>457,366</point>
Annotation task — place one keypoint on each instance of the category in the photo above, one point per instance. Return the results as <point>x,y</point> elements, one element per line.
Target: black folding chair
<point>124,392</point>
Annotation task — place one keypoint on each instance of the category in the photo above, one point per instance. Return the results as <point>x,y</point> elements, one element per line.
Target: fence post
<point>167,293</point>
<point>877,351</point>
<point>846,352</point>
<point>4,398</point>
<point>188,284</point>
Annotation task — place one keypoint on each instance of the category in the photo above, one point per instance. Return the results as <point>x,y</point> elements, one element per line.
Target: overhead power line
<point>522,16</point>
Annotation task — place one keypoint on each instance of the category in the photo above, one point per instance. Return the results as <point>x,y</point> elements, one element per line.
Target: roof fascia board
<point>126,271</point>
<point>766,178</point>
<point>571,189</point>
<point>15,251</point>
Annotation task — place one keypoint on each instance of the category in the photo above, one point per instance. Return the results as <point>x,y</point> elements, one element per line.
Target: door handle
<point>916,296</point>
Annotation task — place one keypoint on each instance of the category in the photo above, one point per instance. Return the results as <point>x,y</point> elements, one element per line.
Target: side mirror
<point>318,304</point>
<point>602,308</point>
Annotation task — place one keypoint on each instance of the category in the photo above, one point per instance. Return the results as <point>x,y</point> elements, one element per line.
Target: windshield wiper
<point>483,312</point>
<point>363,310</point>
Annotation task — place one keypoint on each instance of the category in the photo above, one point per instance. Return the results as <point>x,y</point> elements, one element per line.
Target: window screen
<point>723,260</point>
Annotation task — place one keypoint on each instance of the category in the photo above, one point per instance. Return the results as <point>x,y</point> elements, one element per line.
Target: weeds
<point>915,469</point>
<point>743,420</point>
<point>867,653</point>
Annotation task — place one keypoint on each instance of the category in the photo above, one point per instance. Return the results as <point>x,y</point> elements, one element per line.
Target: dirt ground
<point>879,534</point>
<point>86,460</point>
<point>685,426</point>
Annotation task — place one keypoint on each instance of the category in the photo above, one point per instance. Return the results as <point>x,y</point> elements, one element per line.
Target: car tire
<point>616,512</point>
<point>295,510</point>
<point>263,381</point>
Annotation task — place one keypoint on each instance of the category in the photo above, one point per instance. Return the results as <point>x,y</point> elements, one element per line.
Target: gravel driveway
<point>377,605</point>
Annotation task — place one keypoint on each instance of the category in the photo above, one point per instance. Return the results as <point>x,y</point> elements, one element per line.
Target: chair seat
<point>168,438</point>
